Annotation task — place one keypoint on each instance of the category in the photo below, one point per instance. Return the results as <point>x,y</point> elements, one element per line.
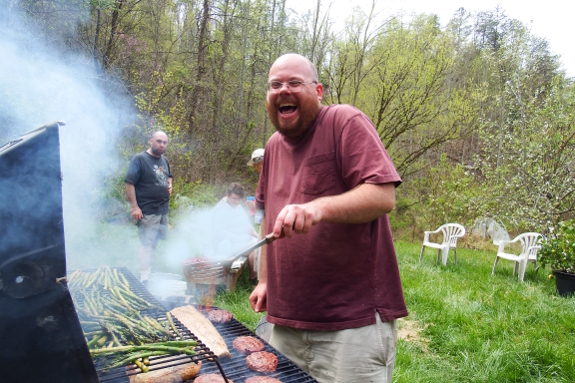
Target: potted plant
<point>558,251</point>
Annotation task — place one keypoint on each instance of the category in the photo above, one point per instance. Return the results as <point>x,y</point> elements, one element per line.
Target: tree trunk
<point>96,37</point>
<point>201,66</point>
<point>106,58</point>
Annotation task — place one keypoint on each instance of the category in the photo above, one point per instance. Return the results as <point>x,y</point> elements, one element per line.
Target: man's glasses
<point>293,86</point>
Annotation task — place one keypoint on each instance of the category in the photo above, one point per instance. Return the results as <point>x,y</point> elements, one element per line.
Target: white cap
<point>257,157</point>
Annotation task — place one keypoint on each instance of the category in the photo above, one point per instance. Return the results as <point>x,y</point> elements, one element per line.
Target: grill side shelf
<point>122,373</point>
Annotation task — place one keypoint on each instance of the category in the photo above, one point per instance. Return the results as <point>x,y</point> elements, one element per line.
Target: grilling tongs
<point>266,240</point>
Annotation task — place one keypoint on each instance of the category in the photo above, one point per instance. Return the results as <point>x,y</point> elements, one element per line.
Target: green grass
<point>239,304</point>
<point>473,327</point>
<point>482,328</point>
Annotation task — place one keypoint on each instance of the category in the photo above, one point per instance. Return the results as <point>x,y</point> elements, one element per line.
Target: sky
<point>551,19</point>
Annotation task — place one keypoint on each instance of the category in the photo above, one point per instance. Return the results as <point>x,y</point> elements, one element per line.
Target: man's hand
<point>131,194</point>
<point>137,213</point>
<point>258,298</point>
<point>297,218</point>
<point>169,186</point>
<point>362,204</point>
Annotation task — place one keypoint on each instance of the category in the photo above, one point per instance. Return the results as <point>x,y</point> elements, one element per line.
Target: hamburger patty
<point>262,361</point>
<point>262,379</point>
<point>220,316</point>
<point>211,378</point>
<point>248,344</point>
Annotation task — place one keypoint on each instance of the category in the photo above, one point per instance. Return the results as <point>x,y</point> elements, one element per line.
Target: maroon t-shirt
<point>338,275</point>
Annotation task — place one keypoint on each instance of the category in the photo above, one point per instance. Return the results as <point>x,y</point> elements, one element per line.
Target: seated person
<point>232,230</point>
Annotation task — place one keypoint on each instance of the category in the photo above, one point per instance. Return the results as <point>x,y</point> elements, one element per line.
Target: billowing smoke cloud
<point>37,86</point>
<point>209,233</point>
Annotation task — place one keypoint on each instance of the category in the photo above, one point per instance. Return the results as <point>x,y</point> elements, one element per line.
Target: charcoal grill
<point>121,374</point>
<point>40,335</point>
<point>231,368</point>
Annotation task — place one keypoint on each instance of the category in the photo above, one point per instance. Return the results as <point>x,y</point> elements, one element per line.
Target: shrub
<point>558,250</point>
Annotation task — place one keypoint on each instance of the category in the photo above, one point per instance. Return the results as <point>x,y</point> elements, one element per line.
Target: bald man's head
<point>293,103</point>
<point>158,143</point>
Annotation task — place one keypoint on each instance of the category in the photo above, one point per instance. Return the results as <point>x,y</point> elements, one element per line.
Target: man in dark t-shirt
<point>334,292</point>
<point>148,184</point>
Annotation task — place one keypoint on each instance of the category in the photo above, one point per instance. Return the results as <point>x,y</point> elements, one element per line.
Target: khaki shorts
<point>152,228</point>
<point>365,354</point>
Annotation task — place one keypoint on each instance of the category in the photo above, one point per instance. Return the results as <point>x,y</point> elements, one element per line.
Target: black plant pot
<point>565,283</point>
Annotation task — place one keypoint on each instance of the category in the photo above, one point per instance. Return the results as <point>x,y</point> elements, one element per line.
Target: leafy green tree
<point>477,116</point>
<point>526,124</point>
<point>410,95</point>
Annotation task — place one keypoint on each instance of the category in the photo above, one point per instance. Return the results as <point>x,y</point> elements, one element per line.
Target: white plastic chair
<point>529,249</point>
<point>451,232</point>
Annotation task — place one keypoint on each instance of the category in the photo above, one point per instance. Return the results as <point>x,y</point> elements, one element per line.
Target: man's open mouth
<point>287,109</point>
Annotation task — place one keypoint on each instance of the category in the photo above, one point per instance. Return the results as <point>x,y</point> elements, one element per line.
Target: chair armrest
<point>510,241</point>
<point>525,254</point>
<point>502,245</point>
<point>532,252</point>
<point>427,233</point>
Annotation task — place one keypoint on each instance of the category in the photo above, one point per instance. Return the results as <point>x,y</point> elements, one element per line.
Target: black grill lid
<point>40,335</point>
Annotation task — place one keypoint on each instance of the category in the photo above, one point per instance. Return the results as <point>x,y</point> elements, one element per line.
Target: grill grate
<point>234,368</point>
<point>121,374</point>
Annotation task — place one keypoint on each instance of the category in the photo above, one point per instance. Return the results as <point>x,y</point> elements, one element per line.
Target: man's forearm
<point>131,194</point>
<point>362,204</point>
<point>263,254</point>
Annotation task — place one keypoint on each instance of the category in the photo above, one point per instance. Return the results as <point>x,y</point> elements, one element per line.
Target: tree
<point>411,99</point>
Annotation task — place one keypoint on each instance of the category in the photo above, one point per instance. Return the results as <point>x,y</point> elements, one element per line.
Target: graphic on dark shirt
<point>161,176</point>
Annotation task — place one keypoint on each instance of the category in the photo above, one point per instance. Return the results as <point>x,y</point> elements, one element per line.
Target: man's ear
<point>319,90</point>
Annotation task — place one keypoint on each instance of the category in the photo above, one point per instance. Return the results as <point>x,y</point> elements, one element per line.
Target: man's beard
<point>306,119</point>
<point>156,152</point>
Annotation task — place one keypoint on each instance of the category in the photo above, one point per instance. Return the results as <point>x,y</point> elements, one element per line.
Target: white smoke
<point>37,86</point>
<point>198,234</point>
